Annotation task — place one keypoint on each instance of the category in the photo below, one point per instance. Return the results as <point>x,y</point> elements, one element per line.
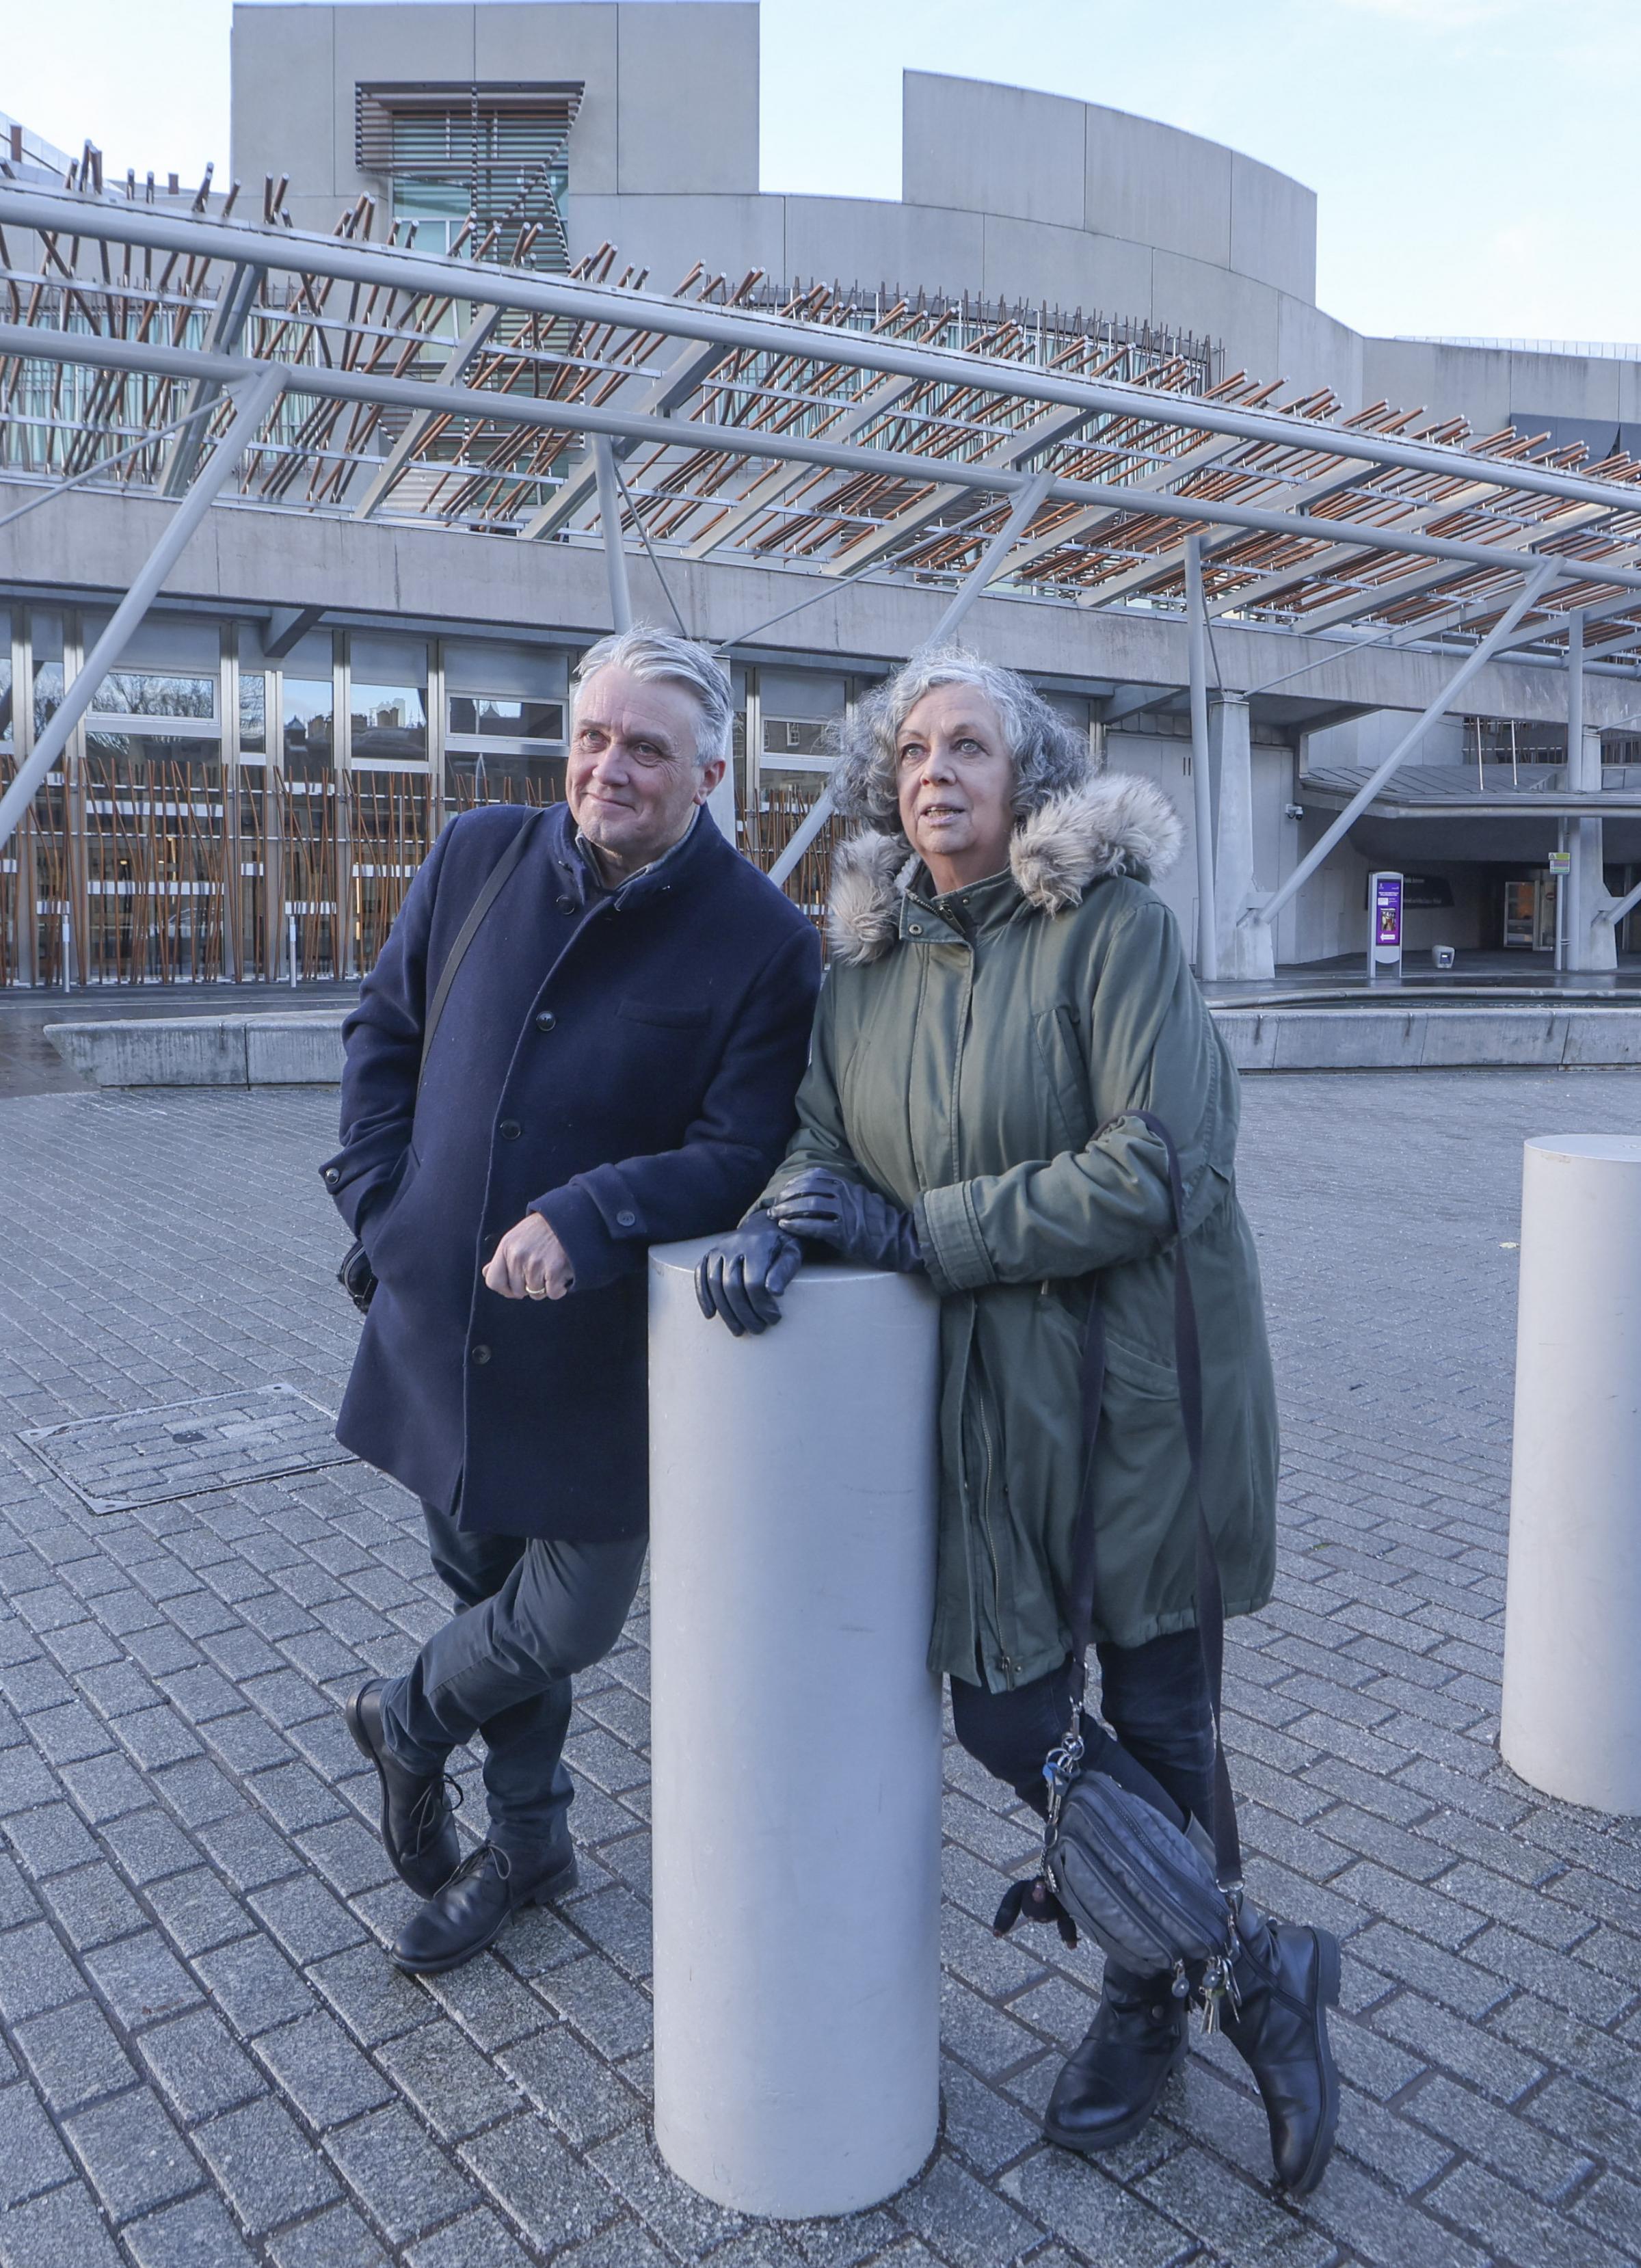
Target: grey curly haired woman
<point>1008,1012</point>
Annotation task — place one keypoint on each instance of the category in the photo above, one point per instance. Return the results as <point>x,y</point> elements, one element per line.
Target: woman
<point>1005,990</point>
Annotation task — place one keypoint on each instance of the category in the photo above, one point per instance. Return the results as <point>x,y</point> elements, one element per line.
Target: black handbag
<point>356,1275</point>
<point>1148,1894</point>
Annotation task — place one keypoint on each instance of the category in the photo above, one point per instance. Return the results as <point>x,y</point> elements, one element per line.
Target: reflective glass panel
<point>506,717</point>
<point>309,716</point>
<point>142,693</point>
<point>252,713</point>
<point>389,724</point>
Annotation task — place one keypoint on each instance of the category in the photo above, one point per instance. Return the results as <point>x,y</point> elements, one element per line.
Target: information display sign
<point>1384,936</point>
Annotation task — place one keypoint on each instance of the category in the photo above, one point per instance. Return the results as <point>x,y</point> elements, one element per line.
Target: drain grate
<point>188,1448</point>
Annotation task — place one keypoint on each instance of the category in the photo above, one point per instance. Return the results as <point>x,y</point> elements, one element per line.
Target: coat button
<point>481,1354</point>
<point>566,905</point>
<point>333,1175</point>
<point>626,1221</point>
<point>510,1130</point>
<point>546,1021</point>
<point>916,929</point>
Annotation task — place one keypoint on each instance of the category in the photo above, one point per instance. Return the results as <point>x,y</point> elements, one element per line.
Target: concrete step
<point>302,1048</point>
<point>1405,1038</point>
<point>305,1049</point>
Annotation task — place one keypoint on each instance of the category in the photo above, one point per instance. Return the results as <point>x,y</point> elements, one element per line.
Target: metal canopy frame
<point>192,359</point>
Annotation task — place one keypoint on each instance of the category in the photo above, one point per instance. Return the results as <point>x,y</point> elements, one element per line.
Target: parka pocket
<point>1065,1074</point>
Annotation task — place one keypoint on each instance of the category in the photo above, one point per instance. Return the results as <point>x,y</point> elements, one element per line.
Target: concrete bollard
<point>796,1740</point>
<point>1572,1718</point>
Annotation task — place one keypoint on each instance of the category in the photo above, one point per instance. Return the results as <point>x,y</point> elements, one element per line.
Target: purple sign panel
<point>1387,912</point>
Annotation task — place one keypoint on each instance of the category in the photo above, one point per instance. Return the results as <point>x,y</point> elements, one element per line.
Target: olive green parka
<point>975,1056</point>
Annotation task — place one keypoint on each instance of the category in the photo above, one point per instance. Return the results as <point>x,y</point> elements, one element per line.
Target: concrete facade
<point>1007,193</point>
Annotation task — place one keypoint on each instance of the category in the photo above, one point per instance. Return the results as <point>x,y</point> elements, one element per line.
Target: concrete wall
<point>1005,192</point>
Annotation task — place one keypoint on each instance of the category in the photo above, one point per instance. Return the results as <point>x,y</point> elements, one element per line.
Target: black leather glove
<point>854,1222</point>
<point>742,1277</point>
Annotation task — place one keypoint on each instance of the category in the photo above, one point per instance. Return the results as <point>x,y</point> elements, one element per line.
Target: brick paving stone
<point>133,2154</point>
<point>92,1906</point>
<point>454,2086</point>
<point>480,2240</point>
<point>398,2174</point>
<point>575,2090</point>
<point>337,2238</point>
<point>316,2066</point>
<point>539,2182</point>
<point>61,2230</point>
<point>32,2158</point>
<point>197,2234</point>
<point>198,2067</point>
<point>141,1979</point>
<point>263,2166</point>
<point>196,1653</point>
<point>73,2056</point>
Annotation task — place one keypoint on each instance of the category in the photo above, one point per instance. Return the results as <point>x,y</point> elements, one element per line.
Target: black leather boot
<point>479,1900</point>
<point>418,1825</point>
<point>1111,2083</point>
<point>1287,1978</point>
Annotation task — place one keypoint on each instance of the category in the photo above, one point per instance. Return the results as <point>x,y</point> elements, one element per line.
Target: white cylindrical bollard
<point>1572,1719</point>
<point>796,1740</point>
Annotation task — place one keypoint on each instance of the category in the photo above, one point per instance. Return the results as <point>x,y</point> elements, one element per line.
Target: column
<point>796,1740</point>
<point>1247,949</point>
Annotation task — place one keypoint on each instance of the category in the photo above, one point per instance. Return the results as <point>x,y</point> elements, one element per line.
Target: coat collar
<point>677,868</point>
<point>1114,824</point>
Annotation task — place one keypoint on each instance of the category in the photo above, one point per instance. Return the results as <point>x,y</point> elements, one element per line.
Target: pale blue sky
<point>1478,162</point>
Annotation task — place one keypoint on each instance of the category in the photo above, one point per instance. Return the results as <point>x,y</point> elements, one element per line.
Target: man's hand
<point>530,1263</point>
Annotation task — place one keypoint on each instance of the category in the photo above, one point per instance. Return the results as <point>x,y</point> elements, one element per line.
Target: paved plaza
<point>206,2058</point>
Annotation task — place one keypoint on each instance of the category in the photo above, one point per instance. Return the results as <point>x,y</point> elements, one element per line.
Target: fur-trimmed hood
<point>1115,823</point>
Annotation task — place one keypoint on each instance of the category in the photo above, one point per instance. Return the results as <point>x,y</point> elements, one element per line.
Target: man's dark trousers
<point>535,1612</point>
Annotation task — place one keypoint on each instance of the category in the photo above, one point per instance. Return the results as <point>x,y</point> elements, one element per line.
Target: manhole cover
<point>188,1448</point>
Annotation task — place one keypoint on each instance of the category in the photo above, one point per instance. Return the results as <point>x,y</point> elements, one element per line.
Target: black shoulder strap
<point>1210,1616</point>
<point>464,935</point>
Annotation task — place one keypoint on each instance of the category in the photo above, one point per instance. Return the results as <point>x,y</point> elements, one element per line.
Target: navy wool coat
<point>624,1065</point>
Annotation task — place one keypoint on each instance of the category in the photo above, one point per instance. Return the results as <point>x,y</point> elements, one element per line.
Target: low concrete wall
<point>264,1050</point>
<point>306,1049</point>
<point>1428,1039</point>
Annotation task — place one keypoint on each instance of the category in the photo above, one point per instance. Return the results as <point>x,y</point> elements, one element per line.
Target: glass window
<point>506,717</point>
<point>140,693</point>
<point>495,776</point>
<point>309,721</point>
<point>389,724</point>
<point>252,713</point>
<point>799,711</point>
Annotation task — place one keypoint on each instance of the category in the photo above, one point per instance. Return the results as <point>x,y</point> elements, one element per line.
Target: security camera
<point>1293,810</point>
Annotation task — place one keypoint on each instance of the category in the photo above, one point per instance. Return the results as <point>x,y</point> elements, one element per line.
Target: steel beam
<point>1532,591</point>
<point>1202,777</point>
<point>89,352</point>
<point>233,309</point>
<point>609,527</point>
<point>668,392</point>
<point>480,282</point>
<point>455,366</point>
<point>991,561</point>
<point>253,404</point>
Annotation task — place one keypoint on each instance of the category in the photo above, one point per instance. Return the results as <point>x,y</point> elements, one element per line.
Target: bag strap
<point>487,897</point>
<point>1210,1618</point>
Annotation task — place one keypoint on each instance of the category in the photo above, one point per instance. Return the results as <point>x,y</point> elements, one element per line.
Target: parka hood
<point>1114,824</point>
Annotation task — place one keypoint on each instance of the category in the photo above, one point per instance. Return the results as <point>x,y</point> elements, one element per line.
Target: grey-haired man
<point>615,1066</point>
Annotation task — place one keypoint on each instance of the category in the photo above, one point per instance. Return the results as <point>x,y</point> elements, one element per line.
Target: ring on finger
<point>535,1291</point>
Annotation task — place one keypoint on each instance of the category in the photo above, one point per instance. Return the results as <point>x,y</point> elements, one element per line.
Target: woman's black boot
<point>1287,1978</point>
<point>1111,2083</point>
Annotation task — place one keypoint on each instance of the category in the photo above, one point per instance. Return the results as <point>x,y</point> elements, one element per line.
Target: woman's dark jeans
<point>1155,1698</point>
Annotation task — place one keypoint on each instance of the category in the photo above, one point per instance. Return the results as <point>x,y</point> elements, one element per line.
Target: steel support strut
<point>254,402</point>
<point>1026,505</point>
<point>1202,777</point>
<point>609,527</point>
<point>1531,592</point>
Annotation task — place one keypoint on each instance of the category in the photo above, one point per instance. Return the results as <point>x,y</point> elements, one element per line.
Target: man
<point>615,1066</point>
